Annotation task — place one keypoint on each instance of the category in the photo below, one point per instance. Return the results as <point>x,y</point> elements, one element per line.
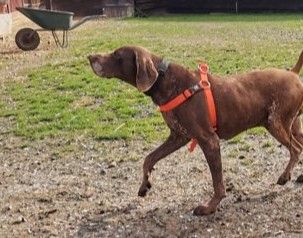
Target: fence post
<point>237,7</point>
<point>49,4</point>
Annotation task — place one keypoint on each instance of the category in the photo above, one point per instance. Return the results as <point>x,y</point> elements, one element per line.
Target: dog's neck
<point>172,80</point>
<point>161,66</point>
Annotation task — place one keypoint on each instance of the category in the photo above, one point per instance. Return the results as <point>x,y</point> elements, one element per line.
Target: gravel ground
<point>84,188</point>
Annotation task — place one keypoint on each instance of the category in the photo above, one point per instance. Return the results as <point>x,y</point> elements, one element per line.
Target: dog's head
<point>131,64</point>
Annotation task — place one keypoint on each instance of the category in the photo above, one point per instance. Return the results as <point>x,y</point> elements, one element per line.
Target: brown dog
<point>270,98</point>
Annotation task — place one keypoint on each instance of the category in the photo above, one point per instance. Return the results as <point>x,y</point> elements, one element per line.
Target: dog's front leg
<point>173,142</point>
<point>211,150</point>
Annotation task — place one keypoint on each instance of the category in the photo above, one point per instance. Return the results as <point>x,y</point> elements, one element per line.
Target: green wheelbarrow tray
<point>48,20</point>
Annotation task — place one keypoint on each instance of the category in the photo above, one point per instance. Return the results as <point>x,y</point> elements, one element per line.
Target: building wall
<point>112,8</point>
<point>6,18</point>
<point>15,3</point>
<point>94,7</point>
<point>5,24</point>
<point>33,3</point>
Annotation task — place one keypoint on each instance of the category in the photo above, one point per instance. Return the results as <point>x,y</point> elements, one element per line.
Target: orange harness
<point>204,85</point>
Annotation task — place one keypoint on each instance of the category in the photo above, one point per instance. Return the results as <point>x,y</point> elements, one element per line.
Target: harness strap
<point>204,85</point>
<point>181,98</point>
<point>203,68</point>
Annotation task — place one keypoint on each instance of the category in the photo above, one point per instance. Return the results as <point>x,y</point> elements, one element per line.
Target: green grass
<point>62,96</point>
<point>49,103</point>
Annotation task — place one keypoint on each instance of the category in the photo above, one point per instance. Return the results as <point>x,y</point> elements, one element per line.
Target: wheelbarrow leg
<point>55,38</point>
<point>64,42</point>
<point>65,39</point>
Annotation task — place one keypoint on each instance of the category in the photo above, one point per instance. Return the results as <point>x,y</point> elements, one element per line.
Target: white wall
<point>5,24</point>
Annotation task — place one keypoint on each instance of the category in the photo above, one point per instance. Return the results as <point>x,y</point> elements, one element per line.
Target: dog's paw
<point>283,179</point>
<point>148,185</point>
<point>142,192</point>
<point>144,189</point>
<point>300,179</point>
<point>204,210</point>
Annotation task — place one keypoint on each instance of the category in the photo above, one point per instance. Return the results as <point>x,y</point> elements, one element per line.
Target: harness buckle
<point>195,88</point>
<point>203,68</point>
<point>204,84</point>
<point>191,90</point>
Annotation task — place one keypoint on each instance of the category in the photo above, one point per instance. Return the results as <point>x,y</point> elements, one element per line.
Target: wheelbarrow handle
<point>80,22</point>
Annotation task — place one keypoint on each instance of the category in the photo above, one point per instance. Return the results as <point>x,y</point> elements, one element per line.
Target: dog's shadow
<point>16,52</point>
<point>11,52</point>
<point>177,220</point>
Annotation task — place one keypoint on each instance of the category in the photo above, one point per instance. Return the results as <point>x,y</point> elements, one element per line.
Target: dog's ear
<point>146,72</point>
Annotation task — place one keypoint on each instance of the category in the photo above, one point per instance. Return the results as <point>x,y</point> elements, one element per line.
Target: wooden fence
<point>149,5</point>
<point>233,5</point>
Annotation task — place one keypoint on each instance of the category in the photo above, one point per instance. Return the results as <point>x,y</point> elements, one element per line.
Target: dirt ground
<point>76,188</point>
<point>80,187</point>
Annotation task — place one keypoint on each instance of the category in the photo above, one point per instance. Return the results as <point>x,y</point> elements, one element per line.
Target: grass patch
<point>236,140</point>
<point>63,96</point>
<point>257,131</point>
<point>47,104</point>
<point>267,144</point>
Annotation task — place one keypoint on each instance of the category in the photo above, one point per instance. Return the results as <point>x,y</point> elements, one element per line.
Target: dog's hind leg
<point>298,134</point>
<point>295,150</point>
<point>283,133</point>
<point>296,130</point>
<point>173,143</point>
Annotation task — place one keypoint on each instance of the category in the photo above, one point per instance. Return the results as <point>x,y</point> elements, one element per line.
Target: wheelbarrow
<point>49,20</point>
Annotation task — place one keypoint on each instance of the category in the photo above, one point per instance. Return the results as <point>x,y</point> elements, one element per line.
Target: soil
<point>80,187</point>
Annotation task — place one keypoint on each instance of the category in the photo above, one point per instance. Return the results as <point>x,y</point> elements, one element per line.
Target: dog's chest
<point>173,123</point>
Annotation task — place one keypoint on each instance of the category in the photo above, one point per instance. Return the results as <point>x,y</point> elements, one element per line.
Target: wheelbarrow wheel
<point>27,39</point>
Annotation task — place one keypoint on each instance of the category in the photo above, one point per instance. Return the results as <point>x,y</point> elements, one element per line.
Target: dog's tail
<point>296,69</point>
